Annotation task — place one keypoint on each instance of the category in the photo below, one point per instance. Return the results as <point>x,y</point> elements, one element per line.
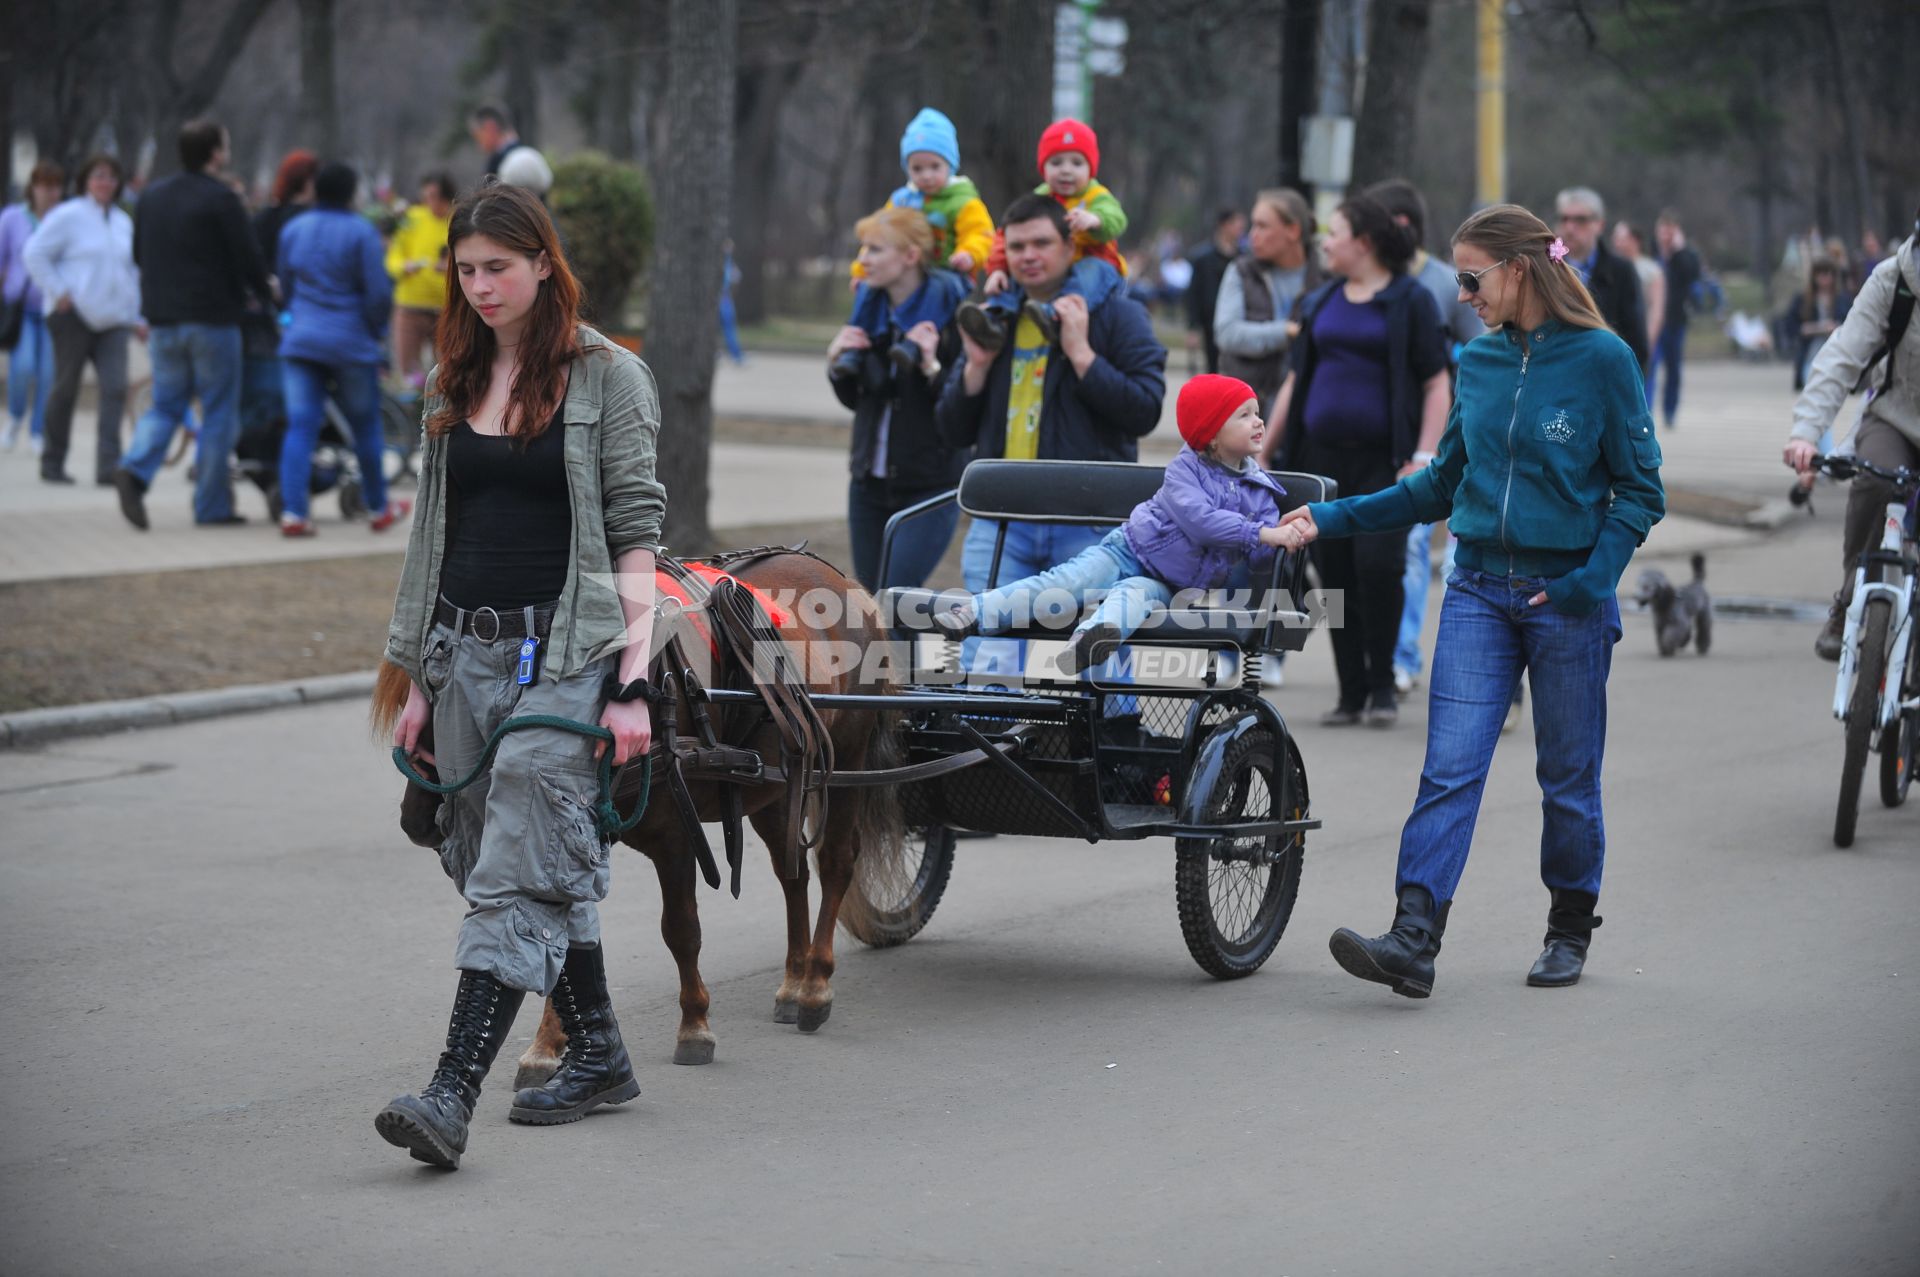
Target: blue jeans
<point>730,329</point>
<point>1488,635</point>
<point>1032,548</point>
<point>935,301</point>
<point>357,392</point>
<point>1109,564</point>
<point>192,361</point>
<point>917,548</point>
<point>1090,278</point>
<point>1670,350</point>
<point>1413,613</point>
<point>31,365</point>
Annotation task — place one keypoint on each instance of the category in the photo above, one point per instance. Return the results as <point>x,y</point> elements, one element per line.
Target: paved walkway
<point>1728,443</point>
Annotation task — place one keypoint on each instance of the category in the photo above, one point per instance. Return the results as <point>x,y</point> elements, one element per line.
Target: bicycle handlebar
<point>1847,467</point>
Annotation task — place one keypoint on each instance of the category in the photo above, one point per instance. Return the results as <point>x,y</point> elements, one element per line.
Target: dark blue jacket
<point>1100,417</point>
<point>333,271</point>
<point>1416,350</point>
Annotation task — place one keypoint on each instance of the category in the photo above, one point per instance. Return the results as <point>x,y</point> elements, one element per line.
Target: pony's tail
<point>391,686</point>
<point>879,826</point>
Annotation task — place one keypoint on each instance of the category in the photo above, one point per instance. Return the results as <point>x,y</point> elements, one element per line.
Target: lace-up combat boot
<point>594,1068</point>
<point>432,1126</point>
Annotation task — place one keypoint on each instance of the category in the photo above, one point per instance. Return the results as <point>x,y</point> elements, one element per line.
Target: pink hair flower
<point>1558,249</point>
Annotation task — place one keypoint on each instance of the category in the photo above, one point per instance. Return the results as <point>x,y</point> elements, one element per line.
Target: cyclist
<point>1880,344</point>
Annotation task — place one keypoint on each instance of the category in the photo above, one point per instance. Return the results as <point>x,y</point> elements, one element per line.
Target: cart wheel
<point>353,503</point>
<point>1236,894</point>
<point>275,505</point>
<point>892,897</point>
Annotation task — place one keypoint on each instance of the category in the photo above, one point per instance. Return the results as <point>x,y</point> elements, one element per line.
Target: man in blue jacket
<point>1089,398</point>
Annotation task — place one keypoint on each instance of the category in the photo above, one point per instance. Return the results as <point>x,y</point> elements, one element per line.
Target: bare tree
<point>695,186</point>
<point>182,94</point>
<point>1399,34</point>
<point>319,106</point>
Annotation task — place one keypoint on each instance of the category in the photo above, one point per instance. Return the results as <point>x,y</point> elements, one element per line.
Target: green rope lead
<point>605,814</point>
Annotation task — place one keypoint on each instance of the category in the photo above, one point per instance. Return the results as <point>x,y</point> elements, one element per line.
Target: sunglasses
<point>1469,280</point>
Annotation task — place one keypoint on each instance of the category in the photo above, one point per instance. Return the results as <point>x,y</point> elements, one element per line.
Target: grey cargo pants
<point>520,843</point>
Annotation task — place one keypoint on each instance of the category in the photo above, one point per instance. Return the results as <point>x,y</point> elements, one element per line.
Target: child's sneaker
<point>845,364</point>
<point>1042,316</point>
<point>982,326</point>
<point>905,356</point>
<point>395,511</point>
<point>958,620</point>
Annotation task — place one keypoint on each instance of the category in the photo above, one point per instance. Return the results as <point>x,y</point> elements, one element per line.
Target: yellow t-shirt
<point>1025,390</point>
<point>420,237</point>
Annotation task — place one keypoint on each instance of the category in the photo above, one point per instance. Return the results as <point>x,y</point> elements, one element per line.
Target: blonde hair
<point>1507,232</point>
<point>900,227</point>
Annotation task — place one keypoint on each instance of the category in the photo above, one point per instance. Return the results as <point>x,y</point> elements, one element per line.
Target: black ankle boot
<point>432,1125</point>
<point>594,1069</point>
<point>1570,924</point>
<point>1402,959</point>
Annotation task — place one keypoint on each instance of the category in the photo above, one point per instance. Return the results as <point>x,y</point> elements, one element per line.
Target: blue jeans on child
<point>1109,564</point>
<point>357,392</point>
<point>1090,278</point>
<point>31,368</point>
<point>1031,548</point>
<point>1489,634</point>
<point>938,296</point>
<point>192,361</point>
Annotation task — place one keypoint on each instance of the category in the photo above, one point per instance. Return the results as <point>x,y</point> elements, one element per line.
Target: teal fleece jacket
<point>1548,468</point>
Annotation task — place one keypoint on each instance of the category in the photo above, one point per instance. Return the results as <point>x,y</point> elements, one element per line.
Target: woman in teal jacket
<point>1549,474</point>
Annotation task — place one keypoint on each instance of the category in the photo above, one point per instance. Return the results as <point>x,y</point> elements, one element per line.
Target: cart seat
<point>913,610</point>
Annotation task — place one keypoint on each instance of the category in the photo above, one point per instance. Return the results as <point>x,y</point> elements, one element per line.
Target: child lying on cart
<point>1215,510</point>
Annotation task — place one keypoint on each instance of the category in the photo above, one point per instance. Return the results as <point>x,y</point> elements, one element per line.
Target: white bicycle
<point>1877,693</point>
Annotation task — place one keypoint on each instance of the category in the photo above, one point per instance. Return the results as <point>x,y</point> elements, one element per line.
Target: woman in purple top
<point>31,367</point>
<point>1365,402</point>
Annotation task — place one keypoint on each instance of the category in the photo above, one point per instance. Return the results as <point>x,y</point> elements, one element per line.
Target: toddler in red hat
<point>1215,510</point>
<point>1069,159</point>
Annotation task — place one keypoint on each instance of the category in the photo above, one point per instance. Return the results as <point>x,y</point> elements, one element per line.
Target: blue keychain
<point>524,673</point>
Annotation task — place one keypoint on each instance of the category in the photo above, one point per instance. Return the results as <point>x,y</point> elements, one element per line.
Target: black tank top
<point>509,519</point>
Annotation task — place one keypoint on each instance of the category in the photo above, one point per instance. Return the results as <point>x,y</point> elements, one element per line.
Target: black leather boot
<point>594,1069</point>
<point>1402,959</point>
<point>432,1126</point>
<point>1570,924</point>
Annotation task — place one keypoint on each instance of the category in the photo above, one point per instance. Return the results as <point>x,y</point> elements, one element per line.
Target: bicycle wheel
<point>1862,711</point>
<point>893,897</point>
<point>1900,742</point>
<point>1235,895</point>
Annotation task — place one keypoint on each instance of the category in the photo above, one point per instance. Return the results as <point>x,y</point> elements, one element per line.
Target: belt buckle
<point>473,624</point>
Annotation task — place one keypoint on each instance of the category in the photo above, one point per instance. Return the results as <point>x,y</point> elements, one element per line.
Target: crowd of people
<point>261,325</point>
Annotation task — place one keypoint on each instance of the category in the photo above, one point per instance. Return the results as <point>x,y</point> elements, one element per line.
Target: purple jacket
<point>16,223</point>
<point>1204,522</point>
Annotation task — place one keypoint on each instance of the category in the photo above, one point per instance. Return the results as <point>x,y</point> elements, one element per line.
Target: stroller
<point>336,468</point>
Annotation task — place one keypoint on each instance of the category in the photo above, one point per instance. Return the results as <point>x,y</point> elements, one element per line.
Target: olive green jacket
<point>612,422</point>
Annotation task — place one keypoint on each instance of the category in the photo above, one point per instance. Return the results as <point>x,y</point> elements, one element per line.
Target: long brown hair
<point>1507,232</point>
<point>514,218</point>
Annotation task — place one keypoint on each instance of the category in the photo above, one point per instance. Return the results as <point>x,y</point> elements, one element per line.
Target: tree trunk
<point>759,98</point>
<point>183,96</point>
<point>683,325</point>
<point>1856,145</point>
<point>1399,34</point>
<point>522,92</point>
<point>1299,49</point>
<point>319,106</point>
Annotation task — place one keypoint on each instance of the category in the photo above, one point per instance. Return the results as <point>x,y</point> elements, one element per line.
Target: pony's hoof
<point>786,1011</point>
<point>694,1051</point>
<point>534,1074</point>
<point>811,1018</point>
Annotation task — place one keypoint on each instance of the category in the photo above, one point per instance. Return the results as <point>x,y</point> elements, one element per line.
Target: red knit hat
<point>1070,135</point>
<point>1205,404</point>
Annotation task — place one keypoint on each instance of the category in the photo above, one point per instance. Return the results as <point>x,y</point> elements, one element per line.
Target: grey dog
<point>1678,615</point>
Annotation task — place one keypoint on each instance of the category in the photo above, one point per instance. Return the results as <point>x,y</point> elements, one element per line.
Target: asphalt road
<point>220,959</point>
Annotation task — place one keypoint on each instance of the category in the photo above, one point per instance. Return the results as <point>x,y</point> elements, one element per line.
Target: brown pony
<point>862,821</point>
